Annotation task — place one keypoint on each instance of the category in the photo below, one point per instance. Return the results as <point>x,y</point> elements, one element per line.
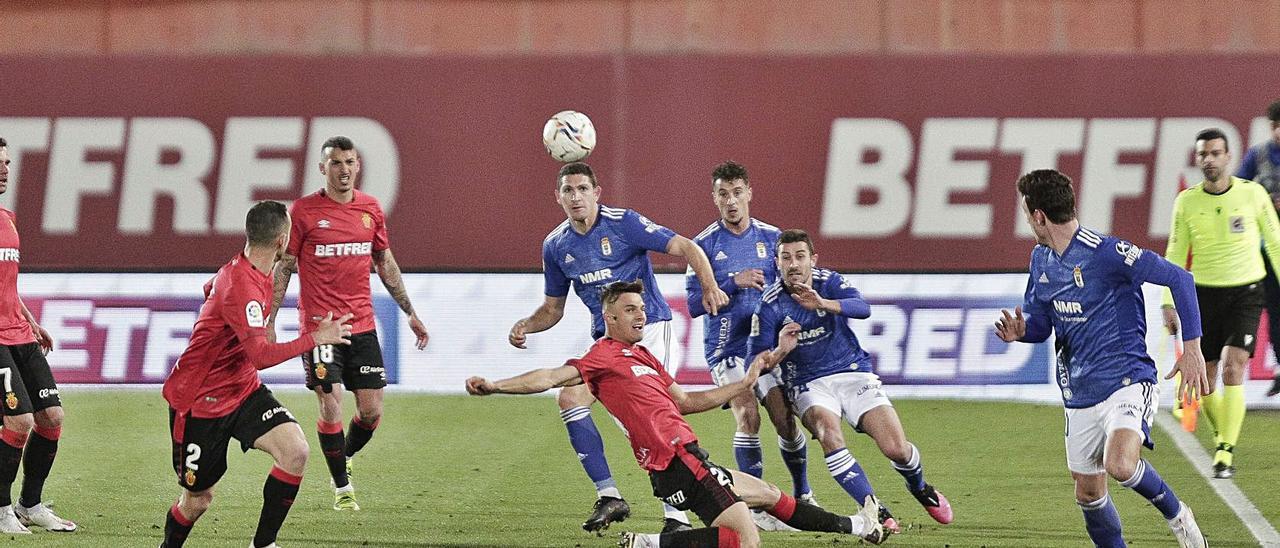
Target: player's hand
<point>1013,327</point>
<point>1170,319</point>
<point>517,335</point>
<point>789,337</point>
<point>713,300</point>
<point>419,331</point>
<point>477,386</point>
<point>331,331</point>
<point>751,277</point>
<point>271,332</point>
<point>42,338</point>
<point>806,296</point>
<point>1194,382</point>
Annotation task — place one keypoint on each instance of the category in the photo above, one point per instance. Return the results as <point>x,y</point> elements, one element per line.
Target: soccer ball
<point>569,136</point>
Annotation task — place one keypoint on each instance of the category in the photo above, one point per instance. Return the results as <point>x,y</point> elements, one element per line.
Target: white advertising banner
<point>929,335</point>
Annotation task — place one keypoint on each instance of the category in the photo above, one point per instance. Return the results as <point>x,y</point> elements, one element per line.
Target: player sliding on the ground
<point>829,375</point>
<point>635,387</point>
<point>1086,288</point>
<point>214,392</point>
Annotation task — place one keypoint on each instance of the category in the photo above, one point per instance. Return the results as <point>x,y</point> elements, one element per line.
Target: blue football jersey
<point>1093,295</point>
<point>726,333</point>
<point>827,344</point>
<point>615,249</point>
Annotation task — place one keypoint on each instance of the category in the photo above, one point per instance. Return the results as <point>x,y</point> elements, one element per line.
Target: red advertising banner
<point>900,163</point>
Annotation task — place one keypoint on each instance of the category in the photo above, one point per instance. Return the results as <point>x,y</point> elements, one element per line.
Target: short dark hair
<point>3,143</point>
<point>1273,111</point>
<point>793,235</point>
<point>265,221</point>
<point>576,168</point>
<point>730,171</point>
<point>1049,191</point>
<point>339,142</point>
<point>616,289</point>
<point>1212,133</point>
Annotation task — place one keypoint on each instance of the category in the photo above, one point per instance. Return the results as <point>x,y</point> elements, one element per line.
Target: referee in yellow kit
<point>1219,222</point>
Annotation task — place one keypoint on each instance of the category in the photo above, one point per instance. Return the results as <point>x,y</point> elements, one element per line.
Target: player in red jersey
<point>338,233</point>
<point>636,389</point>
<point>214,392</point>
<point>30,398</point>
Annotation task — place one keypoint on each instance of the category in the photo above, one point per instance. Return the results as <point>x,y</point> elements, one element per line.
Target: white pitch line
<point>1258,526</point>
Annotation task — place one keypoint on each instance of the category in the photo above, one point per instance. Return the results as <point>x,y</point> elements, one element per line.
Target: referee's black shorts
<point>1229,317</point>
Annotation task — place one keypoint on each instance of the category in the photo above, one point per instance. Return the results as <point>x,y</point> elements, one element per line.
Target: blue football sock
<point>912,471</point>
<point>795,453</point>
<point>746,450</point>
<point>1147,482</point>
<point>1102,522</point>
<point>848,473</point>
<point>589,446</point>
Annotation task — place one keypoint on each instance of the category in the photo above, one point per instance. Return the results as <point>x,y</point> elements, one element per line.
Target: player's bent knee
<point>20,423</point>
<point>50,417</point>
<point>1121,469</point>
<point>575,396</point>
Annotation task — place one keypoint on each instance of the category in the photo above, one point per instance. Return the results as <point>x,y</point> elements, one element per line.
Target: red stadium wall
<point>896,162</point>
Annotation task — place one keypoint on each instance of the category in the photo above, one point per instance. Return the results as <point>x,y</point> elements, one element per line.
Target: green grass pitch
<point>457,471</point>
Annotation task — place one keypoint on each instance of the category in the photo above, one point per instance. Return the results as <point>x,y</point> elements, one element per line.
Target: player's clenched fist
<point>517,335</point>
<point>1013,327</point>
<point>478,386</point>
<point>713,300</point>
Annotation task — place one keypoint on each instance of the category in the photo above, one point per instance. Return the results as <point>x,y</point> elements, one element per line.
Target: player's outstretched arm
<point>697,402</point>
<point>713,298</point>
<point>264,354</point>
<point>546,315</point>
<point>389,272</point>
<point>533,382</point>
<point>285,267</point>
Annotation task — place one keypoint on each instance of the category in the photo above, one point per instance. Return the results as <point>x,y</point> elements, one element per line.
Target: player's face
<point>625,318</point>
<point>1037,222</point>
<point>577,196</point>
<point>1212,157</point>
<point>732,198</point>
<point>4,169</point>
<point>340,168</point>
<point>795,262</point>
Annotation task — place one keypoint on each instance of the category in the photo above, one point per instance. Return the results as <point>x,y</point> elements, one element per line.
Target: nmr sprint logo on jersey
<point>597,276</point>
<point>1068,307</point>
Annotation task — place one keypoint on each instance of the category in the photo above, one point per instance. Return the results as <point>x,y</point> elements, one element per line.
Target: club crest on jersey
<point>1079,277</point>
<point>605,246</point>
<point>367,220</point>
<point>11,400</point>
<point>761,250</point>
<point>190,477</point>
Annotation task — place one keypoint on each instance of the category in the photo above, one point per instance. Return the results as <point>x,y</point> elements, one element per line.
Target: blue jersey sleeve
<point>1143,266</point>
<point>638,229</point>
<point>555,283</point>
<point>852,305</point>
<point>1249,166</point>
<point>693,289</point>
<point>764,330</point>
<point>1039,324</point>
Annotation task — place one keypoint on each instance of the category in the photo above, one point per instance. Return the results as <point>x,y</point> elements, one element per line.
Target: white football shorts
<point>1132,407</point>
<point>849,395</point>
<point>731,370</point>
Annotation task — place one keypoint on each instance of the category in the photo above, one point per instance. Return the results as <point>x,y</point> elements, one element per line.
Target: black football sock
<point>10,458</point>
<point>358,434</point>
<point>331,443</point>
<point>706,537</point>
<point>176,528</point>
<point>806,517</point>
<point>42,447</point>
<point>277,497</point>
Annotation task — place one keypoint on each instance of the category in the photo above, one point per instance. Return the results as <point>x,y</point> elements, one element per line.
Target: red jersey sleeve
<point>243,308</point>
<point>380,241</point>
<point>295,230</point>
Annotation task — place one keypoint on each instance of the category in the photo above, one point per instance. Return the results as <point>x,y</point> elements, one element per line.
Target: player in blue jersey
<point>595,246</point>
<point>829,376</point>
<point>741,252</point>
<point>1086,289</point>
